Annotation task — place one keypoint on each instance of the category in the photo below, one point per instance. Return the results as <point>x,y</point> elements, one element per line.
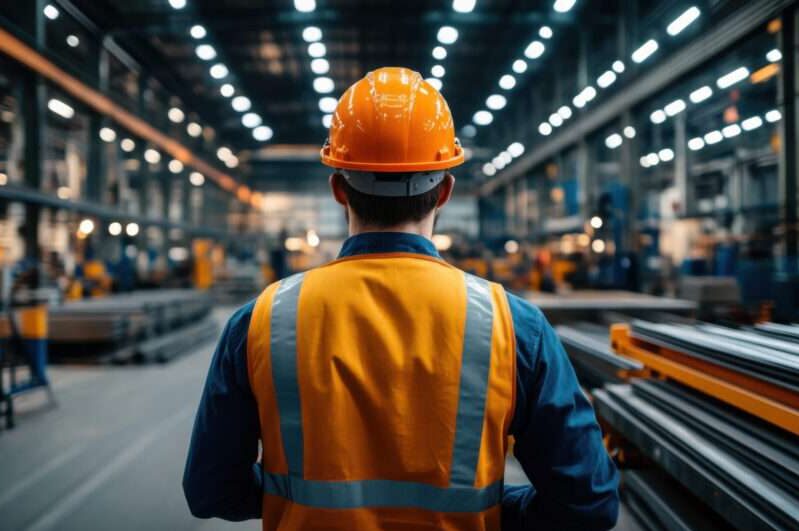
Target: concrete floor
<point>111,455</point>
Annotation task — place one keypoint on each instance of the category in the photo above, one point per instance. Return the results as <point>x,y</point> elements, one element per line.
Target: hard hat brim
<point>399,167</point>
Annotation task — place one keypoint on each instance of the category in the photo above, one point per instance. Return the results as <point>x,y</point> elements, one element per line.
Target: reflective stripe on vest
<point>461,495</point>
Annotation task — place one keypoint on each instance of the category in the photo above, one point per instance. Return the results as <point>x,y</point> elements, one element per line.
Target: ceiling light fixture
<point>463,6</point>
<point>262,133</point>
<point>482,117</point>
<point>317,49</point>
<point>507,82</point>
<point>194,129</point>
<point>51,11</point>
<point>447,35</point>
<point>435,83</point>
<point>674,108</point>
<point>519,66</point>
<point>328,104</point>
<point>305,6</point>
<point>695,144</point>
<point>323,85</point>
<point>496,102</point>
<point>60,108</point>
<point>107,134</point>
<point>251,120</point>
<point>198,32</point>
<point>241,103</point>
<point>175,115</point>
<point>562,6</point>
<point>206,52</point>
<point>644,51</point>
<point>534,50</point>
<point>607,78</point>
<point>320,66</point>
<point>219,71</point>
<point>311,34</point>
<point>700,94</point>
<point>683,21</point>
<point>658,116</point>
<point>730,79</point>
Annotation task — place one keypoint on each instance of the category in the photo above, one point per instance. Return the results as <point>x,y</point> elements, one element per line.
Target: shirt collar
<point>387,242</point>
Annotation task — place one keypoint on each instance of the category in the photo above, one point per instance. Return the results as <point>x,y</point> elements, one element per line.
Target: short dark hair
<point>381,212</point>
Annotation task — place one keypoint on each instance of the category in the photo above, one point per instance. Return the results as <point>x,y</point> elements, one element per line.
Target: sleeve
<point>218,480</point>
<point>557,439</point>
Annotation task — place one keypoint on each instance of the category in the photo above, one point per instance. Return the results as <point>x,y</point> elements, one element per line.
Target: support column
<point>97,163</point>
<point>787,100</point>
<point>584,158</point>
<point>786,287</point>
<point>33,107</point>
<point>628,175</point>
<point>681,162</point>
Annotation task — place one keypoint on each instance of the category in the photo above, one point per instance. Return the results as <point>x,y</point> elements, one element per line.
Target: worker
<point>383,386</point>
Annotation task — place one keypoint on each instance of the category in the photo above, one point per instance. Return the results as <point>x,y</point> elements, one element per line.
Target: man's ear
<point>336,181</point>
<point>447,186</point>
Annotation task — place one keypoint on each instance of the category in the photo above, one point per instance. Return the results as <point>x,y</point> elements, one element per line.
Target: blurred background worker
<point>384,385</point>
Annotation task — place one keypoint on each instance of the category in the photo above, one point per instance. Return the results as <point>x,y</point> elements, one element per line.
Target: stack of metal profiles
<point>235,288</point>
<point>113,328</point>
<point>588,346</point>
<point>760,356</point>
<point>658,503</point>
<point>744,469</point>
<point>589,305</point>
<point>785,331</point>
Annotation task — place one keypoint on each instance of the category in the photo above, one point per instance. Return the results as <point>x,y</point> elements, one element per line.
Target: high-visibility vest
<point>385,390</point>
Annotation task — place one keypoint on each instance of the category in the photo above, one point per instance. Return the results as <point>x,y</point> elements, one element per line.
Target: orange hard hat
<point>392,122</point>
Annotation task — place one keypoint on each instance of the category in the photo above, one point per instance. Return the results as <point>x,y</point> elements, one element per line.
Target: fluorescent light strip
<point>683,21</point>
<point>644,51</point>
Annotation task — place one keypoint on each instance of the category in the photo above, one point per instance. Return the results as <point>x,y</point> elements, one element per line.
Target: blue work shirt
<point>558,441</point>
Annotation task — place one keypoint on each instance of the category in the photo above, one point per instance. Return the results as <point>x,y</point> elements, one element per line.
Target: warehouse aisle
<point>111,455</point>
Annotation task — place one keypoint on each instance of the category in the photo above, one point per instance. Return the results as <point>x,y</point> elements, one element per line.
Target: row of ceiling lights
<point>495,102</point>
<point>696,96</point>
<point>219,71</point>
<point>109,135</point>
<point>87,226</point>
<point>317,51</point>
<point>713,137</point>
<point>176,115</point>
<point>51,12</point>
<point>608,77</point>
<point>446,36</point>
<point>704,92</point>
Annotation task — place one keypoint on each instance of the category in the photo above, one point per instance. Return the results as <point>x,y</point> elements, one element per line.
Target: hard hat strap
<point>393,184</point>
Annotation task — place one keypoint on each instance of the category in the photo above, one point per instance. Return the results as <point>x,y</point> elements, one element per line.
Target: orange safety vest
<point>385,390</point>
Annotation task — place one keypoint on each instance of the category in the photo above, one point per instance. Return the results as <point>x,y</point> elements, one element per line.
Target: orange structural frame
<point>769,402</point>
<point>17,49</point>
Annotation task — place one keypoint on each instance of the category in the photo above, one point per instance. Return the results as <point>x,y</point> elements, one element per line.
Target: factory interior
<point>631,169</point>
